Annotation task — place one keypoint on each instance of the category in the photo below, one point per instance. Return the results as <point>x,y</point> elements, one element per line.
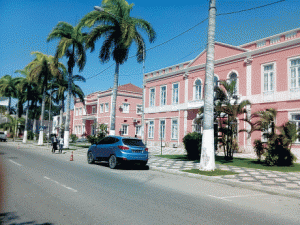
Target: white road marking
<point>69,188</point>
<point>237,196</point>
<point>15,163</point>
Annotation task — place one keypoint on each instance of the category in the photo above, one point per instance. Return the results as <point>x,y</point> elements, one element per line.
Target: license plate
<point>136,151</point>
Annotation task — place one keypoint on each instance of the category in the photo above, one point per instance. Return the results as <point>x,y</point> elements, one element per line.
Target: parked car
<point>117,150</point>
<point>3,136</point>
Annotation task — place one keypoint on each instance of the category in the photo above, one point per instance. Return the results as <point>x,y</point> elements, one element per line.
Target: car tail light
<point>146,149</point>
<point>123,147</point>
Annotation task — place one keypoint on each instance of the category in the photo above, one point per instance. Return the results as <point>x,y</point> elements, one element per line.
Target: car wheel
<point>112,162</point>
<point>90,158</point>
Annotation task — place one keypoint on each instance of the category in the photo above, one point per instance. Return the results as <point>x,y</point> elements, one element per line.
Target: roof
<point>131,88</point>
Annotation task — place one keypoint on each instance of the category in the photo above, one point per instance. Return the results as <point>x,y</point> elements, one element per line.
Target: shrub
<point>192,143</point>
<point>259,148</point>
<point>278,152</point>
<point>92,139</point>
<point>30,135</point>
<point>73,138</point>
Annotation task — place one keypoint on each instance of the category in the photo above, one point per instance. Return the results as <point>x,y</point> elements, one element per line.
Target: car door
<point>101,148</point>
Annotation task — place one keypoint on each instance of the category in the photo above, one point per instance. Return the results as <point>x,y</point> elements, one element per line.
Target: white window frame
<point>94,109</point>
<point>139,109</point>
<point>162,129</point>
<point>101,108</point>
<point>197,94</point>
<point>163,98</point>
<point>83,129</point>
<point>174,129</point>
<point>151,129</point>
<point>197,127</point>
<point>80,111</point>
<point>138,130</point>
<point>297,73</point>
<point>76,111</point>
<point>151,97</point>
<point>263,73</point>
<point>125,127</point>
<point>126,107</point>
<point>236,83</point>
<point>297,122</point>
<point>106,106</point>
<point>174,94</point>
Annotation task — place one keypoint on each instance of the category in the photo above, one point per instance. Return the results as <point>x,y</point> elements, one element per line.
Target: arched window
<point>233,77</point>
<point>216,81</point>
<point>196,126</point>
<point>198,89</point>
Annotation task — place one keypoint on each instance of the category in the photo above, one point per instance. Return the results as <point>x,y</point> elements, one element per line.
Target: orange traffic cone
<point>71,158</point>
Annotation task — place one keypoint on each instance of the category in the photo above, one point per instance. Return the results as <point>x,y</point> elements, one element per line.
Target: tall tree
<point>42,69</point>
<point>120,30</point>
<point>71,45</point>
<point>7,89</point>
<point>207,159</point>
<point>60,87</point>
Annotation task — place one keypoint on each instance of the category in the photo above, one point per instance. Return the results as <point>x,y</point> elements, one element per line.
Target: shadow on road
<point>12,217</point>
<point>126,166</point>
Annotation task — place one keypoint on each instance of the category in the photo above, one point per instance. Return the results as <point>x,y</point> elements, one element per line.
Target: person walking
<point>54,143</point>
<point>61,144</point>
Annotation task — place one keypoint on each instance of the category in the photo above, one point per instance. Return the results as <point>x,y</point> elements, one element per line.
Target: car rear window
<point>133,142</point>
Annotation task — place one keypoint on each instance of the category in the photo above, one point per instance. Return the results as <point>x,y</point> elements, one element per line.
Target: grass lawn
<point>240,162</point>
<point>210,173</point>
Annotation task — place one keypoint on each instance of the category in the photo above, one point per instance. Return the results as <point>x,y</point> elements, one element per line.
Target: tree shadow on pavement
<point>125,166</point>
<point>13,219</point>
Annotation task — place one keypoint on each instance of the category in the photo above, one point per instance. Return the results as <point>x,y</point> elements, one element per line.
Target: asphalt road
<point>45,188</point>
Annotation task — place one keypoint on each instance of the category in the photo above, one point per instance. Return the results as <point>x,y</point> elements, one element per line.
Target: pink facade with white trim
<point>267,73</point>
<point>97,109</point>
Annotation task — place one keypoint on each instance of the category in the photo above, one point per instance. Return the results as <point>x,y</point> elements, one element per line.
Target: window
<point>152,97</point>
<point>80,111</point>
<point>196,126</point>
<point>76,112</point>
<point>233,78</point>
<point>197,90</point>
<point>106,107</point>
<point>83,129</point>
<point>138,130</point>
<point>124,130</point>
<point>295,73</point>
<point>162,129</point>
<point>296,120</point>
<point>101,108</point>
<point>151,129</point>
<point>125,108</point>
<point>175,93</point>
<point>268,78</point>
<point>163,95</point>
<point>139,109</point>
<point>174,129</point>
<point>79,129</point>
<point>93,109</point>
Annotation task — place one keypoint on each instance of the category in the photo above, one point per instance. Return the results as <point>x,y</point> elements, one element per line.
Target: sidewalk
<point>274,182</point>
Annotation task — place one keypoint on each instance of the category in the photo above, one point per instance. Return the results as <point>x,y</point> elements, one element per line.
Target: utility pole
<point>207,159</point>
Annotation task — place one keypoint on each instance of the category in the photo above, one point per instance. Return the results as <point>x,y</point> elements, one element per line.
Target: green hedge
<point>192,143</point>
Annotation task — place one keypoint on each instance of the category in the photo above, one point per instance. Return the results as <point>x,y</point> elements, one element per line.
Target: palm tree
<point>59,89</point>
<point>12,124</point>
<point>120,30</point>
<point>7,89</point>
<point>42,69</point>
<point>71,45</point>
<point>27,86</point>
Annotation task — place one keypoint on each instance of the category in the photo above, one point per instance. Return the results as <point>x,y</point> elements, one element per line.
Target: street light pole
<point>207,159</point>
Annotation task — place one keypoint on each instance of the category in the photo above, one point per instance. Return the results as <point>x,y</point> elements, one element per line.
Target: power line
<point>220,14</point>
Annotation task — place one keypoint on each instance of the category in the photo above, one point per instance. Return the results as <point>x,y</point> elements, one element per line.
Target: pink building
<point>97,110</point>
<point>267,73</point>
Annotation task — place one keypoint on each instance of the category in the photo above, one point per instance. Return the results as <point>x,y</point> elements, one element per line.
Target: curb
<point>216,179</point>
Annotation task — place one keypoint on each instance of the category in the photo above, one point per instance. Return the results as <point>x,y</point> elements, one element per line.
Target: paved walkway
<point>264,180</point>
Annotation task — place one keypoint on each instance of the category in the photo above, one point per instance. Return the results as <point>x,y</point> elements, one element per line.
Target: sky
<point>25,25</point>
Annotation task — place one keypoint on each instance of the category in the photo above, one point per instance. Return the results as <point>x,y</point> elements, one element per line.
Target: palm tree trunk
<point>207,159</point>
<point>9,104</point>
<point>26,124</point>
<point>67,124</point>
<point>34,129</point>
<point>41,134</point>
<point>112,130</point>
<point>60,118</point>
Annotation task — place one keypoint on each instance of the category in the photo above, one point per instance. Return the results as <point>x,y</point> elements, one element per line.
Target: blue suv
<point>117,150</point>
